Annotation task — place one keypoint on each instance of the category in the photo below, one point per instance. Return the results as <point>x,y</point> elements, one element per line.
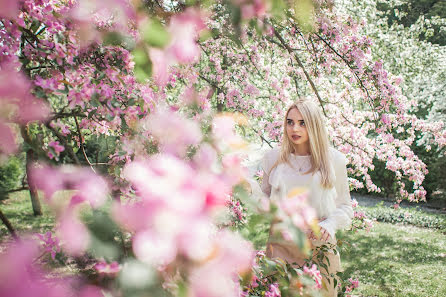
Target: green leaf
<point>155,34</point>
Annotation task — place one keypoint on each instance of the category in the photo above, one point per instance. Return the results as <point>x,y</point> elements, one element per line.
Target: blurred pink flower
<point>89,186</point>
<point>184,29</point>
<point>296,207</point>
<point>21,277</point>
<point>107,269</point>
<point>56,146</point>
<point>273,291</point>
<point>154,249</point>
<point>9,9</point>
<point>7,139</point>
<point>15,96</point>
<point>91,291</point>
<point>354,282</point>
<point>73,234</point>
<point>160,66</point>
<point>314,273</point>
<point>174,132</point>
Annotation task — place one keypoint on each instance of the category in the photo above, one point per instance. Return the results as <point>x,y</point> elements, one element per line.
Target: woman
<point>305,160</point>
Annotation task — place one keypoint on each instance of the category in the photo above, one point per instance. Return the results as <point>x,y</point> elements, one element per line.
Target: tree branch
<point>81,139</point>
<point>301,65</point>
<point>349,66</point>
<point>64,143</point>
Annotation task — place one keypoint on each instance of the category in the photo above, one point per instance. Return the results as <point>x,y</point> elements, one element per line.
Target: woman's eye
<point>302,124</point>
<point>290,122</point>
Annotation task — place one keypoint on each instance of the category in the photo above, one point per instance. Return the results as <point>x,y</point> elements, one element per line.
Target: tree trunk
<point>7,224</point>
<point>30,158</point>
<point>37,208</point>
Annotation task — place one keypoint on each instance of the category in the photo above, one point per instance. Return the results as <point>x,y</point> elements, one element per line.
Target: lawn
<point>396,260</point>
<point>19,211</point>
<point>390,260</point>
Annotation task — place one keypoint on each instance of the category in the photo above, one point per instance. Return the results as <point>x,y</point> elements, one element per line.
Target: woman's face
<point>295,128</point>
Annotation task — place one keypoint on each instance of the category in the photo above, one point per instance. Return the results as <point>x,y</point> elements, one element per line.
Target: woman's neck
<point>302,150</point>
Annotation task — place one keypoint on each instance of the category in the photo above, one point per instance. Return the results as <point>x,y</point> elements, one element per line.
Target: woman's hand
<point>324,235</point>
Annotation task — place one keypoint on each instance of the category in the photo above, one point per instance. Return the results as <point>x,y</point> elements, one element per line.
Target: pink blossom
<point>56,146</point>
<point>50,244</point>
<point>107,269</point>
<point>273,291</point>
<point>314,273</point>
<point>354,282</point>
<point>354,203</point>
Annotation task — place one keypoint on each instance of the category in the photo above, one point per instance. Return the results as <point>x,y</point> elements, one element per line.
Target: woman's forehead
<point>295,114</point>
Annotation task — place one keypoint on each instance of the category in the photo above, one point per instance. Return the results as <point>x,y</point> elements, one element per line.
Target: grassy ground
<point>390,260</point>
<point>19,211</point>
<point>396,260</point>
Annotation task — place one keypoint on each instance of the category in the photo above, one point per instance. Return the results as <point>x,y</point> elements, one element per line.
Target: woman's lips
<point>295,137</point>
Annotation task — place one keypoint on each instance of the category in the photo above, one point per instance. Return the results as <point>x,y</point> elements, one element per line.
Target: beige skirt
<point>289,252</point>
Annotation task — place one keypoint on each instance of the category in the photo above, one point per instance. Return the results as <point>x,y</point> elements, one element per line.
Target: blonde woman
<point>306,160</point>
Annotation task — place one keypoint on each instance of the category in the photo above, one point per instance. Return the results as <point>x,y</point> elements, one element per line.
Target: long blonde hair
<point>318,138</point>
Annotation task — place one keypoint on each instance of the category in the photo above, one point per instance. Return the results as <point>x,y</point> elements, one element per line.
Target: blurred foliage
<point>10,175</point>
<point>408,12</point>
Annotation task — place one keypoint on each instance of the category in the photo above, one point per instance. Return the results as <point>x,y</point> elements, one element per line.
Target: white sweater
<point>332,204</point>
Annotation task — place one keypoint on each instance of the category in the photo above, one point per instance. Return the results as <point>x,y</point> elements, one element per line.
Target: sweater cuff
<point>328,226</point>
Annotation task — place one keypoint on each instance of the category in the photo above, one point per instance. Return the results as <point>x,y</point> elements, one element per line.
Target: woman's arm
<point>342,216</point>
<point>267,163</point>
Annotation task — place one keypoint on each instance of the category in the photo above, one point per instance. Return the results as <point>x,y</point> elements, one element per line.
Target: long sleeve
<point>342,216</point>
<point>267,163</point>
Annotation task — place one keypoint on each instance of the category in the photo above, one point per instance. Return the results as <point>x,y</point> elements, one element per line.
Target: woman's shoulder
<point>337,156</point>
<point>272,153</point>
<point>270,157</point>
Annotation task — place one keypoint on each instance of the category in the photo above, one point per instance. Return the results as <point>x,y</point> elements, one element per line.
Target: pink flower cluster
<point>315,274</point>
<point>107,269</point>
<point>18,106</point>
<point>171,218</point>
<point>87,186</point>
<point>296,208</point>
<point>353,284</point>
<point>50,244</point>
<point>21,277</point>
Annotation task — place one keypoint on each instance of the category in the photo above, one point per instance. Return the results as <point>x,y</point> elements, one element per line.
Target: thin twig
<point>81,140</point>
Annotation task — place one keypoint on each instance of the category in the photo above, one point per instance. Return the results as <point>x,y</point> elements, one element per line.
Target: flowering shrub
<point>360,220</point>
<point>405,216</point>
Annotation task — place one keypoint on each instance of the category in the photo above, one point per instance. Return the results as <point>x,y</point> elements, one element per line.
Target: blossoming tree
<point>143,80</point>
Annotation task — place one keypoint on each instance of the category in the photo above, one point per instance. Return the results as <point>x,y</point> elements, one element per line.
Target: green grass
<point>19,212</point>
<point>396,260</point>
